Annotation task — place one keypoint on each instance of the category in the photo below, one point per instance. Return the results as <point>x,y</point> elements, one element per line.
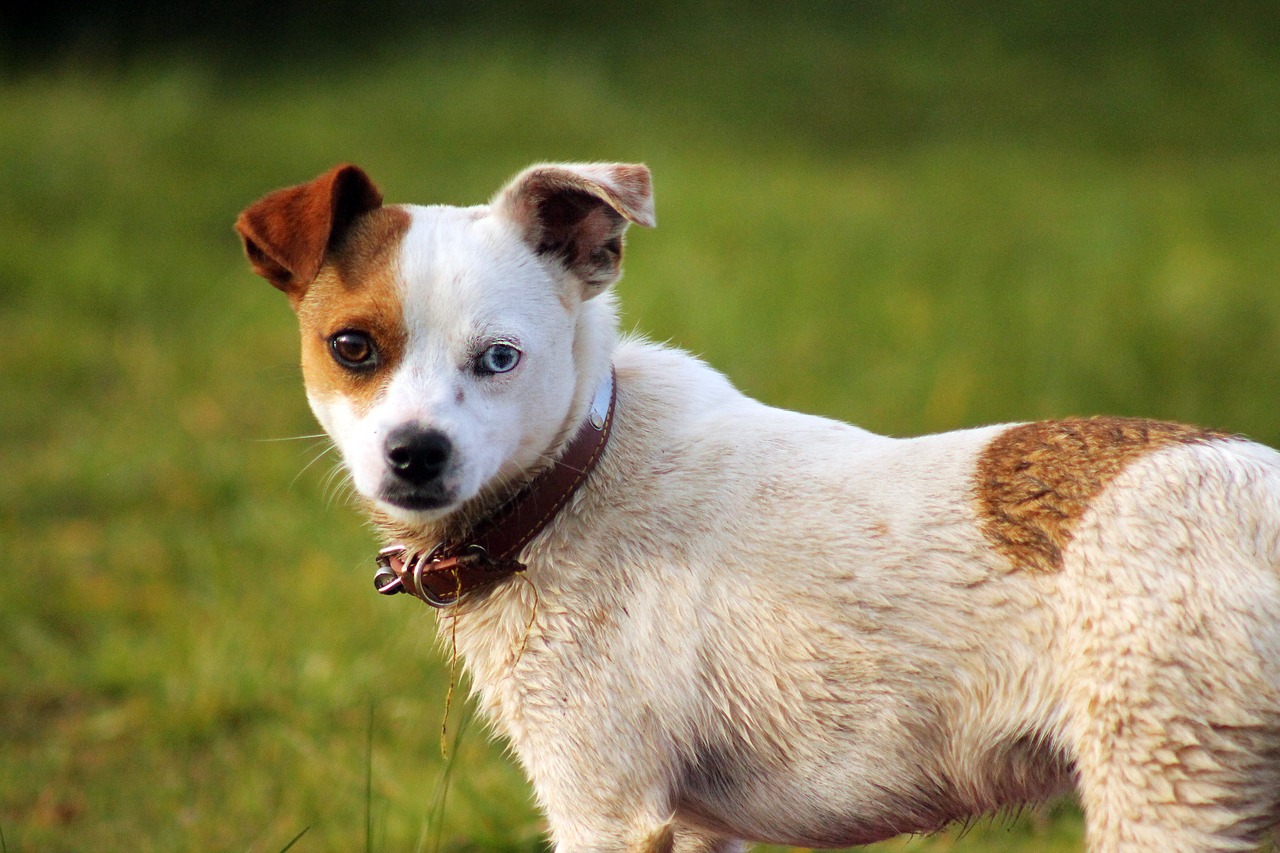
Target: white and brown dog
<point>701,620</point>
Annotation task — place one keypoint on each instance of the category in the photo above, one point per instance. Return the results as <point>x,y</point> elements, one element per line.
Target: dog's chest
<point>533,657</point>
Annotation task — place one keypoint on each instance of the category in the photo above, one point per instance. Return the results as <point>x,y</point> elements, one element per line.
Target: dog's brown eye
<point>353,350</point>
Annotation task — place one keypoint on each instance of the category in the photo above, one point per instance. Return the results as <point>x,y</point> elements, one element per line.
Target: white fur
<point>756,624</point>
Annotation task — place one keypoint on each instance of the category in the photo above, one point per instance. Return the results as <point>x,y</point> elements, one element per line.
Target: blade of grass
<point>294,840</point>
<point>368,783</point>
<point>440,796</point>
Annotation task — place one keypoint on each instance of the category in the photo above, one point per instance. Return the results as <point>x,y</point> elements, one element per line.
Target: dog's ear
<point>577,214</point>
<point>287,233</point>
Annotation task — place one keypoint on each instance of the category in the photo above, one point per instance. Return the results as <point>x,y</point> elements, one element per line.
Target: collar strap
<point>453,569</point>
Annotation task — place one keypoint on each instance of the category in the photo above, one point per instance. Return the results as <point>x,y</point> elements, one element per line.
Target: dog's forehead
<point>457,262</point>
<point>442,233</point>
<point>444,244</point>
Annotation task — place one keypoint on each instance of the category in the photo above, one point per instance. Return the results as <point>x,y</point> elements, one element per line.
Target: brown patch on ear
<point>578,214</point>
<point>288,233</point>
<point>1035,481</point>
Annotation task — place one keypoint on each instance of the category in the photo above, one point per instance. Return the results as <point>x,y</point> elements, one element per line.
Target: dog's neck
<point>480,544</point>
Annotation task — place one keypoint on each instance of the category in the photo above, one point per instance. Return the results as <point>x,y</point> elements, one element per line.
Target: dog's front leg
<point>689,840</point>
<point>580,839</point>
<point>668,838</point>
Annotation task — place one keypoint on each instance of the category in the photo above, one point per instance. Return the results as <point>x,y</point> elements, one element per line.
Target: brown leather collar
<point>455,568</point>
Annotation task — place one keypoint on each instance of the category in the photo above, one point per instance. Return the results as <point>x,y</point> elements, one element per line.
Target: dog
<point>702,622</point>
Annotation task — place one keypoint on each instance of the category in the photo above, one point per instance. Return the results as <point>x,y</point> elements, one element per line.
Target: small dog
<point>702,621</point>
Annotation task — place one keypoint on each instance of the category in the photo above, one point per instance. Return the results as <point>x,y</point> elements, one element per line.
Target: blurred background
<point>913,216</point>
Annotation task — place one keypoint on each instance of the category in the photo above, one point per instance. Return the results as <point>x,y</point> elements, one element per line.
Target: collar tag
<point>599,412</point>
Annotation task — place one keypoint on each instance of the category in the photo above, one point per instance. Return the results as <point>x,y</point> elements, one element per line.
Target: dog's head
<point>446,350</point>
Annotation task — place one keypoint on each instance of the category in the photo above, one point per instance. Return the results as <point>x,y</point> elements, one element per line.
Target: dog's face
<point>443,347</point>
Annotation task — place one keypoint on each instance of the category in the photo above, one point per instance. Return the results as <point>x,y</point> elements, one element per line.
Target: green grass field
<point>914,224</point>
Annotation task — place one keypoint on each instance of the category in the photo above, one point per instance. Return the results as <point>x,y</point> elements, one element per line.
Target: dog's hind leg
<point>1171,649</point>
<point>1188,788</point>
<point>1175,754</point>
<point>675,838</point>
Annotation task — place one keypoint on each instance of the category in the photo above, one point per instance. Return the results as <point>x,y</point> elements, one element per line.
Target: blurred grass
<point>915,223</point>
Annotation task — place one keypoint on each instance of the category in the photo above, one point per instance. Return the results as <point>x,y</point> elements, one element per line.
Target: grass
<point>914,226</point>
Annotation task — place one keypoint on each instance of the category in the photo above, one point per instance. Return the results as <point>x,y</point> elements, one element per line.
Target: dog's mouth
<point>429,497</point>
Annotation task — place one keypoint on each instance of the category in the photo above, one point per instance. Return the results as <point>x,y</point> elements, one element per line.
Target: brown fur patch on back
<point>1034,481</point>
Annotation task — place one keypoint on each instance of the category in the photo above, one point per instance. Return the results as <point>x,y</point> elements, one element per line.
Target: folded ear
<point>287,233</point>
<point>577,214</point>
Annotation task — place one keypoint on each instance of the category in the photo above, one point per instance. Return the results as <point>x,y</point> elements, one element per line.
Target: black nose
<point>418,456</point>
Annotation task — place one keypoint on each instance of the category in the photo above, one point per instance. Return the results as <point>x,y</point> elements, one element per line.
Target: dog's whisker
<point>323,451</point>
<point>337,484</point>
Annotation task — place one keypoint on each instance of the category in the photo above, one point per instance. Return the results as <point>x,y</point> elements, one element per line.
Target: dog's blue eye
<point>353,350</point>
<point>498,358</point>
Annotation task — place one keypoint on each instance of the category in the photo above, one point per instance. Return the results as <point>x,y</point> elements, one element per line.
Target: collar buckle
<point>386,580</point>
<point>439,581</point>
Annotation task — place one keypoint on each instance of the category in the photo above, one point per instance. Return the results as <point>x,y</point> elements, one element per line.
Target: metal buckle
<point>390,582</point>
<point>385,579</point>
<point>408,579</point>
